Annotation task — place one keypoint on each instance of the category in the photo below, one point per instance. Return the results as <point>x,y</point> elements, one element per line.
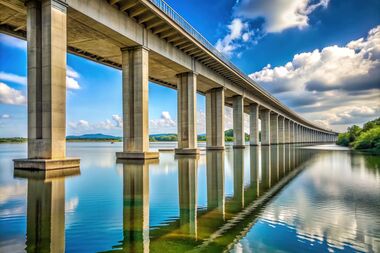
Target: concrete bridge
<point>148,41</point>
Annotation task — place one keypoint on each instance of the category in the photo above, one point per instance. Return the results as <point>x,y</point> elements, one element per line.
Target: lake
<point>283,198</point>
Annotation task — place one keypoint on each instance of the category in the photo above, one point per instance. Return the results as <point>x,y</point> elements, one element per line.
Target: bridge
<point>148,41</point>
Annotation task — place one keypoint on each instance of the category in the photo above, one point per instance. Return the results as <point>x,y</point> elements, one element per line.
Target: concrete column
<point>47,82</point>
<point>238,121</point>
<point>265,126</point>
<point>291,132</point>
<point>274,129</point>
<point>215,119</point>
<point>287,133</point>
<point>296,133</point>
<point>254,124</point>
<point>187,107</point>
<point>281,130</point>
<point>135,70</point>
<point>47,42</point>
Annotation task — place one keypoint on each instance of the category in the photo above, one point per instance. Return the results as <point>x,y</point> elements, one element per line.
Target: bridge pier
<point>254,124</point>
<point>274,128</point>
<point>187,105</point>
<point>265,127</point>
<point>215,119</point>
<point>238,121</point>
<point>47,42</point>
<point>281,130</point>
<point>135,68</point>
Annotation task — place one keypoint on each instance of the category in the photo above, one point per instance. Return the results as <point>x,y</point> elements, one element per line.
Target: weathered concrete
<point>215,119</point>
<point>281,130</point>
<point>135,104</point>
<point>287,133</point>
<point>265,127</point>
<point>291,132</point>
<point>46,164</point>
<point>46,80</point>
<point>238,122</point>
<point>47,41</point>
<point>187,107</point>
<point>254,124</point>
<point>274,129</point>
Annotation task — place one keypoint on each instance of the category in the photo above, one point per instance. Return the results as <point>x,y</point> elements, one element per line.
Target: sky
<point>319,57</point>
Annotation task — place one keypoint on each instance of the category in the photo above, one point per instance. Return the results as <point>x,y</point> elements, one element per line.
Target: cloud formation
<point>11,96</point>
<point>72,79</point>
<point>268,16</point>
<point>238,32</point>
<point>12,42</point>
<point>8,77</point>
<point>334,81</point>
<point>279,15</point>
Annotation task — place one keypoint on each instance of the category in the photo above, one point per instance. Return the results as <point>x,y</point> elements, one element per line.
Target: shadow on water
<point>215,228</point>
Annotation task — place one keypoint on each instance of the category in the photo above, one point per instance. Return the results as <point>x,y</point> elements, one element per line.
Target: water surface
<point>271,199</point>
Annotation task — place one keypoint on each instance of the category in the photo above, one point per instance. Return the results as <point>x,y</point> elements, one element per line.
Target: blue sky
<point>320,57</point>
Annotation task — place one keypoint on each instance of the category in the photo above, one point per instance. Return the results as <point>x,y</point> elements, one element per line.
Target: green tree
<point>368,140</point>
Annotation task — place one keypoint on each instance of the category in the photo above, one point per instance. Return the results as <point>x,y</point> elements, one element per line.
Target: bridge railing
<point>170,12</point>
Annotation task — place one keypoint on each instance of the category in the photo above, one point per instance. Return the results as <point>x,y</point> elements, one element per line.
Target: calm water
<point>269,199</point>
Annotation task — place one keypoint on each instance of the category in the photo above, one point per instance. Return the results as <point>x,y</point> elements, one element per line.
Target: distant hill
<point>97,136</point>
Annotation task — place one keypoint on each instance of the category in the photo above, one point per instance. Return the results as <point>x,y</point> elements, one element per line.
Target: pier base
<point>46,164</point>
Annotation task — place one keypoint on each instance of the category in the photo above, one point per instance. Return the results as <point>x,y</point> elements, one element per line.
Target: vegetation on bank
<point>13,140</point>
<point>366,138</point>
<point>229,137</point>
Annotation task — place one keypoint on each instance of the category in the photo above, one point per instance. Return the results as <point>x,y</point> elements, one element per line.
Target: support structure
<point>215,119</point>
<point>274,129</point>
<point>254,124</point>
<point>47,43</point>
<point>238,122</point>
<point>187,105</point>
<point>135,70</point>
<point>265,126</point>
<point>281,130</point>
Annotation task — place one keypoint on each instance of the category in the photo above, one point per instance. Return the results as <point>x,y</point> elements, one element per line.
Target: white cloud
<point>238,32</point>
<point>12,41</point>
<point>330,84</point>
<point>5,116</point>
<point>11,96</point>
<point>279,14</point>
<point>118,120</point>
<point>13,78</point>
<point>71,79</point>
<point>164,124</point>
<point>83,126</point>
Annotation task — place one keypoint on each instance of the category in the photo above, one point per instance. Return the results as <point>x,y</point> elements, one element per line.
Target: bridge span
<point>148,41</point>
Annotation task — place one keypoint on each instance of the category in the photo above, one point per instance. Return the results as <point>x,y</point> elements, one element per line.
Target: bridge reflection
<point>211,228</point>
<point>46,209</point>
